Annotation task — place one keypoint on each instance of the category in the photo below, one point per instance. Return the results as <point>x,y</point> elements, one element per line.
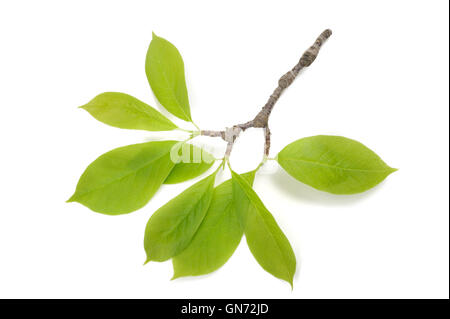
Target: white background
<point>382,79</point>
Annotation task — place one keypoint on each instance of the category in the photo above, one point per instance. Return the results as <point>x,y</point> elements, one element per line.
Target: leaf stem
<point>222,165</point>
<point>196,126</point>
<point>183,130</point>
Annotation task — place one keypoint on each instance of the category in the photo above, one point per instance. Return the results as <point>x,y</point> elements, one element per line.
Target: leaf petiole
<point>196,126</point>
<point>184,130</point>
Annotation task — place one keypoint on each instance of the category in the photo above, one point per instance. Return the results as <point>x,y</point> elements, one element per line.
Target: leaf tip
<point>290,281</point>
<point>147,261</point>
<point>154,36</point>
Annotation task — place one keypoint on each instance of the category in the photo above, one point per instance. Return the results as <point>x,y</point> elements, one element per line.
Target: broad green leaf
<point>124,111</point>
<point>266,241</point>
<point>334,164</point>
<point>217,237</point>
<point>172,227</point>
<point>191,161</point>
<point>124,179</point>
<point>165,73</point>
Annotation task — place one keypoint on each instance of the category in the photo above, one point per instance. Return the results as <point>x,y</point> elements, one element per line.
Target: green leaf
<point>217,237</point>
<point>192,161</point>
<point>124,111</point>
<point>124,179</point>
<point>165,73</point>
<point>172,227</point>
<point>333,164</point>
<point>266,241</point>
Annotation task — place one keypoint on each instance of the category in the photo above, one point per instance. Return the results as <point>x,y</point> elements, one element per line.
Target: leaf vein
<point>335,166</point>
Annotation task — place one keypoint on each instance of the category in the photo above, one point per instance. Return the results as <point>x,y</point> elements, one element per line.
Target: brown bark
<point>262,118</point>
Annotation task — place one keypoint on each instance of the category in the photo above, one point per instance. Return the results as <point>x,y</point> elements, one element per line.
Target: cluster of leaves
<point>200,228</point>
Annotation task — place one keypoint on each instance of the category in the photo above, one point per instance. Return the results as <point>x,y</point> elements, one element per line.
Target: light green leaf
<point>124,111</point>
<point>217,237</point>
<point>193,161</point>
<point>333,164</point>
<point>124,179</point>
<point>172,227</point>
<point>266,241</point>
<point>165,73</point>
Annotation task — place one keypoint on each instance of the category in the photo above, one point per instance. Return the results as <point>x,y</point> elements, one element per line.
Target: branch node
<point>286,80</point>
<point>311,54</point>
<point>231,133</point>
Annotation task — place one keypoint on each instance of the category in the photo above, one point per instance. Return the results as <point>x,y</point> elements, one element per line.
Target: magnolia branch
<point>261,120</point>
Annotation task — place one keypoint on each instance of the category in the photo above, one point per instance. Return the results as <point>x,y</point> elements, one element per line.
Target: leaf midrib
<point>186,216</point>
<point>336,167</point>
<point>124,176</point>
<point>271,234</point>
<point>147,112</point>
<point>276,242</point>
<point>171,90</point>
<point>229,206</point>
